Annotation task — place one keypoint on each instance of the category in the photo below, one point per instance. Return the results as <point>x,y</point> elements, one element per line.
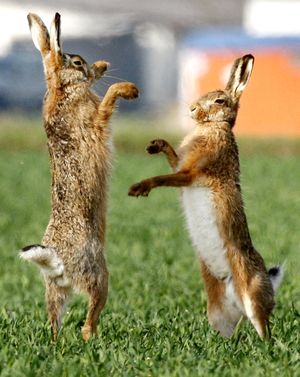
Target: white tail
<point>49,262</point>
<point>276,276</point>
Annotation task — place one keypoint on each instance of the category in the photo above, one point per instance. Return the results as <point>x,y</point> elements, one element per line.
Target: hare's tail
<point>49,262</point>
<point>276,275</point>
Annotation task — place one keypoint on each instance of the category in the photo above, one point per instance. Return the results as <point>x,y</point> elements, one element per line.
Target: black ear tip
<point>57,17</point>
<point>248,57</point>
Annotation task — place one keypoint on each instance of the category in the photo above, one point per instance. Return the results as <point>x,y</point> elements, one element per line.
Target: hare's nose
<point>193,108</point>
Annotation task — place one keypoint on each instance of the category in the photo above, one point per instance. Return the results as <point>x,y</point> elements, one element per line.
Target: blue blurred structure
<point>234,39</point>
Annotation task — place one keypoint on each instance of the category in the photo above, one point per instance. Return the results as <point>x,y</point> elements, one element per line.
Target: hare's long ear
<point>39,33</point>
<point>55,43</point>
<point>239,76</point>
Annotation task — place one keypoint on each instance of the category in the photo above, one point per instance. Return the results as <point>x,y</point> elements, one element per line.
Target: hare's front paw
<point>127,90</point>
<point>156,146</point>
<point>140,189</point>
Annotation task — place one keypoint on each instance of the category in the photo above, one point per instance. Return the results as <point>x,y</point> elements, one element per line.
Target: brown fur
<point>208,157</point>
<point>79,142</point>
<point>215,289</point>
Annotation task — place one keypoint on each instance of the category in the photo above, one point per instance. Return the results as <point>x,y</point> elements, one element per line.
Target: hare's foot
<point>98,297</point>
<point>126,90</point>
<point>140,189</point>
<point>99,68</point>
<point>90,326</point>
<point>254,289</point>
<point>156,146</point>
<point>56,298</point>
<point>258,315</point>
<point>160,145</point>
<point>86,332</point>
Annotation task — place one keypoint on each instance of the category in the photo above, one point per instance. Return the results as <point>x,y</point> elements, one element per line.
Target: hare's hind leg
<point>55,298</point>
<point>258,301</point>
<point>257,315</point>
<point>97,299</point>
<point>255,291</point>
<point>223,314</point>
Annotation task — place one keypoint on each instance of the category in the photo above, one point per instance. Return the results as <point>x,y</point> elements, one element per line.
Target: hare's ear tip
<point>31,15</point>
<point>57,20</point>
<point>33,18</point>
<point>29,18</point>
<point>248,57</point>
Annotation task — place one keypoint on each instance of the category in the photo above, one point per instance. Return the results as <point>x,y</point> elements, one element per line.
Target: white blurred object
<point>272,17</point>
<point>193,65</point>
<point>155,36</point>
<point>14,24</point>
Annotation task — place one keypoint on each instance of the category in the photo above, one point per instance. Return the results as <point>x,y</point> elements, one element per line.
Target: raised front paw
<point>156,146</point>
<point>139,189</point>
<point>126,90</point>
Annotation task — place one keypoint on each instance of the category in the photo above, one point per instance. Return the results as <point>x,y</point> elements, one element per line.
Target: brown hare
<point>206,167</point>
<point>71,256</point>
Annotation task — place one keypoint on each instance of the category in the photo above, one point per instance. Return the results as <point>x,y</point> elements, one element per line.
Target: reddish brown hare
<point>206,167</point>
<point>71,256</point>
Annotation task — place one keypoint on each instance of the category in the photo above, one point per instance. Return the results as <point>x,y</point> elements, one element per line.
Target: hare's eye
<point>77,62</point>
<point>220,101</point>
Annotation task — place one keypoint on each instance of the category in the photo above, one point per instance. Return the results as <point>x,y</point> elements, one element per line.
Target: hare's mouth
<point>193,112</point>
<point>197,113</point>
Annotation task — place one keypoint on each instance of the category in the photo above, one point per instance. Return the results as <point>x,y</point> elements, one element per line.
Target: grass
<point>154,323</point>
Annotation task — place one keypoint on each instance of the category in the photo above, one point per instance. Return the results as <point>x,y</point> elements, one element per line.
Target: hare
<point>71,256</point>
<point>206,167</point>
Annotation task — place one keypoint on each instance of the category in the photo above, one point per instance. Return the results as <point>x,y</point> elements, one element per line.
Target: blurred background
<point>174,50</point>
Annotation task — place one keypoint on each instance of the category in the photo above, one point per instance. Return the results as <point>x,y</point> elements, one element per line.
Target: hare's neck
<point>209,130</point>
<point>190,136</point>
<point>67,93</point>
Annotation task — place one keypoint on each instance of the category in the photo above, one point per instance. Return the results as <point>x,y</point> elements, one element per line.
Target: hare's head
<point>64,69</point>
<point>222,105</point>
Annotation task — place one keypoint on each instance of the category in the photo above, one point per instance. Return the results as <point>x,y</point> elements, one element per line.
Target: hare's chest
<point>202,224</point>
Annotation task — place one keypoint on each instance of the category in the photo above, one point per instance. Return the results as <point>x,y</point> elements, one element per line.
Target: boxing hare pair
<point>206,167</point>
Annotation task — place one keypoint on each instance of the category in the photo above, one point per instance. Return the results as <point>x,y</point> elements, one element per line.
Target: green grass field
<point>154,323</point>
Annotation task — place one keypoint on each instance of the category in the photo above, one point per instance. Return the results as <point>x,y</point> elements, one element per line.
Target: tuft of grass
<point>154,323</point>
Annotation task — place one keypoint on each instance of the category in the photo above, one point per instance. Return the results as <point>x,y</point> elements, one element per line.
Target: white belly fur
<point>201,220</point>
